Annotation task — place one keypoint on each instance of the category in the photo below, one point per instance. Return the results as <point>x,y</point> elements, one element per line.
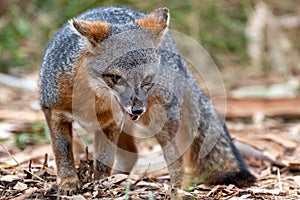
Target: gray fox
<point>113,64</point>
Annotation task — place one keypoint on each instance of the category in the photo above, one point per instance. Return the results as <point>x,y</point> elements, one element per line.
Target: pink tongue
<point>132,117</point>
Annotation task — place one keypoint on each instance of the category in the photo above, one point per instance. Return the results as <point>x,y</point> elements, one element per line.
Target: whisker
<point>122,124</point>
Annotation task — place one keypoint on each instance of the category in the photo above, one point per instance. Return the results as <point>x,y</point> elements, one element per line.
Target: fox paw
<point>68,185</point>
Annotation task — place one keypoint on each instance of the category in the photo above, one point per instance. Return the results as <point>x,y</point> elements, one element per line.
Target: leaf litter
<point>28,180</point>
<point>270,147</point>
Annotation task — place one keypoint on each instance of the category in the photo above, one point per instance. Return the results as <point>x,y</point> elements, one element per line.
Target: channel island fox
<point>106,69</point>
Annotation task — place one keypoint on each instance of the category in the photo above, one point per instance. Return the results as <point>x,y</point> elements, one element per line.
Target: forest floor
<point>270,145</point>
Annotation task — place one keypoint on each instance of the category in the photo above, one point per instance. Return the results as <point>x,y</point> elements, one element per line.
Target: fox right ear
<point>156,22</point>
<point>93,32</point>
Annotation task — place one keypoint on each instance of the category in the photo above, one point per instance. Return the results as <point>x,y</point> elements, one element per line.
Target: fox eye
<point>115,78</point>
<point>112,79</point>
<point>147,80</point>
<point>147,83</point>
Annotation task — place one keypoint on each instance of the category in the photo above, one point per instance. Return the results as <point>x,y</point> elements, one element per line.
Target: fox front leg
<point>61,139</point>
<point>126,154</point>
<point>172,152</point>
<point>105,148</point>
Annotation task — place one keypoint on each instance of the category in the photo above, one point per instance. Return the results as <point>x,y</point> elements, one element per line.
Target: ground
<point>270,145</point>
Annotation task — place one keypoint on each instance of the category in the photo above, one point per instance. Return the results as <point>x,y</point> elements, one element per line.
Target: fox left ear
<point>93,32</point>
<point>157,23</point>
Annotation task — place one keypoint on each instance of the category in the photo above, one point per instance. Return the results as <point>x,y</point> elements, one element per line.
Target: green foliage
<point>223,31</point>
<point>38,135</point>
<point>150,196</point>
<point>127,189</point>
<point>27,26</point>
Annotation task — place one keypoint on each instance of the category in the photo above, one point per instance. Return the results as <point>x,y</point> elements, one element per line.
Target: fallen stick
<point>247,107</point>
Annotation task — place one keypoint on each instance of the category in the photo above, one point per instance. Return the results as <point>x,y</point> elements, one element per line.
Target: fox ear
<point>156,22</point>
<point>94,32</point>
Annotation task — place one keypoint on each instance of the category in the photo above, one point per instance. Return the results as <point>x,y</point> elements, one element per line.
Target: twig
<point>18,164</point>
<point>29,166</point>
<point>279,180</point>
<point>142,177</point>
<point>45,165</point>
<point>87,153</point>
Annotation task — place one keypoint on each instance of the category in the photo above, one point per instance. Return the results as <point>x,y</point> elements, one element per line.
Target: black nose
<point>137,110</point>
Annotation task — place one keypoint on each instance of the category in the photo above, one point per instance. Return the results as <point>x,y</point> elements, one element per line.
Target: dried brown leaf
<point>20,186</point>
<point>282,140</point>
<point>9,178</point>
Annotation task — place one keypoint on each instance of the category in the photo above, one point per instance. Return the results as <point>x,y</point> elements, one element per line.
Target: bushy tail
<point>241,178</point>
<point>217,159</point>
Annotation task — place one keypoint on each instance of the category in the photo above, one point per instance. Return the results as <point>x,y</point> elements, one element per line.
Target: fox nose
<point>137,110</point>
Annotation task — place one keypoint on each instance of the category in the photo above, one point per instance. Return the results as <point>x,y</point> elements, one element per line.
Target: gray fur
<point>174,84</point>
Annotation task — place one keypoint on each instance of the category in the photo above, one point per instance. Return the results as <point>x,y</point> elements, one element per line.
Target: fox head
<point>123,59</point>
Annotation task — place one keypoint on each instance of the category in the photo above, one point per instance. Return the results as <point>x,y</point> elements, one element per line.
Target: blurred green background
<point>26,26</point>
